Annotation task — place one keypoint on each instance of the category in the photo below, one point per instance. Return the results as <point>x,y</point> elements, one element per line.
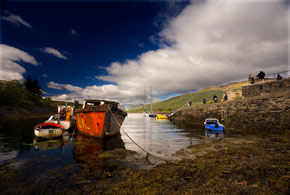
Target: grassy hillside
<point>14,93</point>
<point>180,101</point>
<point>234,91</point>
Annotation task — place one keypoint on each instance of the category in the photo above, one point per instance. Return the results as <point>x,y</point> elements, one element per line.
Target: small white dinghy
<point>48,130</point>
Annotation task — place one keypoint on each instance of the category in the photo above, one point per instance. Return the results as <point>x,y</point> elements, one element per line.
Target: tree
<point>77,104</point>
<point>12,93</point>
<point>32,86</point>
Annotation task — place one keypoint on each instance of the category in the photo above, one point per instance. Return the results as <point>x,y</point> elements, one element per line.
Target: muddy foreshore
<point>236,165</point>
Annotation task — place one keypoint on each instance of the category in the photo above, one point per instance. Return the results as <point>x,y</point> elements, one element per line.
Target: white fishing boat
<point>65,117</point>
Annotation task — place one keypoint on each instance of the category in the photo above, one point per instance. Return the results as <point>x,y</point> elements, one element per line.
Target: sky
<point>116,50</point>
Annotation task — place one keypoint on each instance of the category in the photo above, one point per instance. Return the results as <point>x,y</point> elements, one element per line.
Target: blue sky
<point>114,49</point>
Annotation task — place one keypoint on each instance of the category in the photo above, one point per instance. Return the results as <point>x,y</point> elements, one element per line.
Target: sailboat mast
<point>151,97</point>
<point>145,99</point>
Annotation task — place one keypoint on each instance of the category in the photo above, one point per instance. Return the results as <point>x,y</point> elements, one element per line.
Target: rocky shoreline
<point>233,165</point>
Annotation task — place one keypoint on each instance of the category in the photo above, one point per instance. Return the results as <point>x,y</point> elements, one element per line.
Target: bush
<point>15,93</point>
<point>12,93</point>
<point>47,102</point>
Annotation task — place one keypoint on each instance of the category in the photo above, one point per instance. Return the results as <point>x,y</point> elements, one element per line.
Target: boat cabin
<point>93,103</point>
<point>213,124</point>
<point>65,112</point>
<point>211,121</point>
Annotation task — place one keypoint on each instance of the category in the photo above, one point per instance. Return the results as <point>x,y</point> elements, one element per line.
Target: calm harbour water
<point>159,137</point>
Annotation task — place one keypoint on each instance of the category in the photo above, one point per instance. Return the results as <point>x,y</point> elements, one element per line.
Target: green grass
<point>14,93</point>
<point>180,101</point>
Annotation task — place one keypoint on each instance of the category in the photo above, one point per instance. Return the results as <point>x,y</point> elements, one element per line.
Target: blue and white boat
<point>213,124</point>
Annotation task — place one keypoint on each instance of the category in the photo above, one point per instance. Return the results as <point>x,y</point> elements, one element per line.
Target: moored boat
<point>152,115</point>
<point>64,117</point>
<point>161,116</point>
<point>213,124</point>
<point>100,118</point>
<point>48,130</point>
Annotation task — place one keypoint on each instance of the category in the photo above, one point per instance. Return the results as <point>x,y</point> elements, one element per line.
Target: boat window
<point>89,105</point>
<point>212,122</point>
<point>96,103</point>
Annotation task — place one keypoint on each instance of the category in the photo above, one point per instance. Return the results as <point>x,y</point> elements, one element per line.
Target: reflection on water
<point>12,134</point>
<point>43,144</point>
<point>17,141</point>
<point>87,148</point>
<point>214,134</point>
<point>157,136</point>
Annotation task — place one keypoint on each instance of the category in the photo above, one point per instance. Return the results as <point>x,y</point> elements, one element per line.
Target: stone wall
<point>266,88</point>
<point>268,112</point>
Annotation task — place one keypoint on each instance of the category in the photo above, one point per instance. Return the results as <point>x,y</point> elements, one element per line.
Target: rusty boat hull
<point>100,121</point>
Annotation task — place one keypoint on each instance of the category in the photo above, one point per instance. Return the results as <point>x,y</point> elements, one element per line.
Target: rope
<point>148,154</point>
<point>74,130</point>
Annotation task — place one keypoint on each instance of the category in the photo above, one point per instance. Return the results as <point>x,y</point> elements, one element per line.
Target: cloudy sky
<point>115,49</point>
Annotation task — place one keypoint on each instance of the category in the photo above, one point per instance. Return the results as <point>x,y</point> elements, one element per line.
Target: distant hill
<point>179,101</point>
<point>14,93</point>
<point>233,90</point>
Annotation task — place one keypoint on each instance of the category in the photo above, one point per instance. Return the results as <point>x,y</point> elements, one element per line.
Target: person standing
<point>261,76</point>
<point>190,103</point>
<point>279,77</point>
<point>215,98</point>
<point>226,97</point>
<point>204,100</point>
<point>251,79</point>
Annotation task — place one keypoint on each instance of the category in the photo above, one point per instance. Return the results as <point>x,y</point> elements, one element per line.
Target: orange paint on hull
<point>91,123</point>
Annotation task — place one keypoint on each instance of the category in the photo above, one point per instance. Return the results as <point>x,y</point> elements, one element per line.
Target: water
<point>17,142</point>
<point>159,137</point>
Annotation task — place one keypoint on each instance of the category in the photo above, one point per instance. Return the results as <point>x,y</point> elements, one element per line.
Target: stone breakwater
<point>265,107</point>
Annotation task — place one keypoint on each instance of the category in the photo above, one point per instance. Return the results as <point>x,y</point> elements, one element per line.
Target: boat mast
<point>151,97</point>
<point>145,99</point>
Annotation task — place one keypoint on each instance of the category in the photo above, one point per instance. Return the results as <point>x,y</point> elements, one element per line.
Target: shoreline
<point>231,165</point>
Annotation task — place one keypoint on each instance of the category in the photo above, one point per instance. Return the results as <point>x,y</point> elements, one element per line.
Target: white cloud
<point>44,75</point>
<point>63,97</point>
<point>211,43</point>
<point>10,57</point>
<point>107,92</point>
<point>16,20</point>
<point>53,51</point>
<point>68,87</point>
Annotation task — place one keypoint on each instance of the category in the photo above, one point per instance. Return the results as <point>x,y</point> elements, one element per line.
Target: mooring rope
<point>148,154</point>
<point>74,130</point>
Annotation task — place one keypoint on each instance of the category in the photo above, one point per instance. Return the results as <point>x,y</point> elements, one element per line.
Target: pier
<point>264,107</point>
